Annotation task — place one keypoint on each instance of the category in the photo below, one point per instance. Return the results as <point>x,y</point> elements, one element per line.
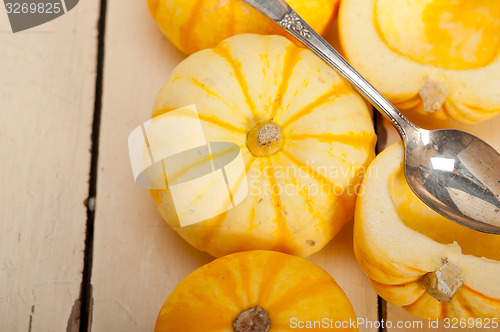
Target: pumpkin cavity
<point>419,217</point>
<point>457,35</point>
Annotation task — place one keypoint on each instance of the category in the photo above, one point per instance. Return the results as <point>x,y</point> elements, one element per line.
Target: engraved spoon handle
<point>280,12</point>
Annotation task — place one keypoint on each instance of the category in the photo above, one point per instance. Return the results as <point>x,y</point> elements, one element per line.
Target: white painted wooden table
<point>68,101</point>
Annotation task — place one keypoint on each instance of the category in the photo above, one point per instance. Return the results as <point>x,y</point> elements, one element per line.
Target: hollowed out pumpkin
<point>417,259</point>
<point>437,57</point>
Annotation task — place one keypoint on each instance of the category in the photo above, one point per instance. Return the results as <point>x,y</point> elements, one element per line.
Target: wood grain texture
<point>47,85</point>
<point>337,258</point>
<point>138,259</point>
<point>488,131</point>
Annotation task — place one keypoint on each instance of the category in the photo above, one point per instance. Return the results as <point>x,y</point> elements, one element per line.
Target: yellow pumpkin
<point>302,187</point>
<point>436,57</point>
<point>193,25</point>
<point>256,291</point>
<point>417,259</point>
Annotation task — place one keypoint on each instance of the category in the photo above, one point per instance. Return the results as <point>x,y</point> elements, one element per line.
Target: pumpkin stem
<point>265,139</point>
<point>268,133</point>
<point>443,283</point>
<point>252,320</point>
<point>433,95</point>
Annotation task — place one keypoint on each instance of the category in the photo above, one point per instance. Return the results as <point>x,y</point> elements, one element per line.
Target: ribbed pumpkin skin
<point>287,287</point>
<point>399,44</point>
<point>193,25</point>
<point>328,142</point>
<point>396,257</point>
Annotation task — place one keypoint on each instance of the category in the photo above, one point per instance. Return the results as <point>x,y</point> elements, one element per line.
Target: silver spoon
<point>453,172</point>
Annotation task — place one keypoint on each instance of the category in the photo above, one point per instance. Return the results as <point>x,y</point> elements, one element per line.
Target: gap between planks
<point>378,124</point>
<point>86,287</point>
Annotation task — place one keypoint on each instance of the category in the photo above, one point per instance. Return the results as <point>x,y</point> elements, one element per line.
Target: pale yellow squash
<point>436,57</point>
<point>417,259</point>
<point>302,186</point>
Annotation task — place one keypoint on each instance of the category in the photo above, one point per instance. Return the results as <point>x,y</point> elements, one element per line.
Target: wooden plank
<point>488,131</point>
<point>337,258</point>
<point>138,260</point>
<point>47,85</point>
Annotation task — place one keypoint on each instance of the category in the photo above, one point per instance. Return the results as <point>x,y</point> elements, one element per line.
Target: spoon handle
<point>280,12</point>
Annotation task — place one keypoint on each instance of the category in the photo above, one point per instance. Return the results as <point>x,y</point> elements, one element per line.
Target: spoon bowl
<point>456,174</point>
<point>453,172</point>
